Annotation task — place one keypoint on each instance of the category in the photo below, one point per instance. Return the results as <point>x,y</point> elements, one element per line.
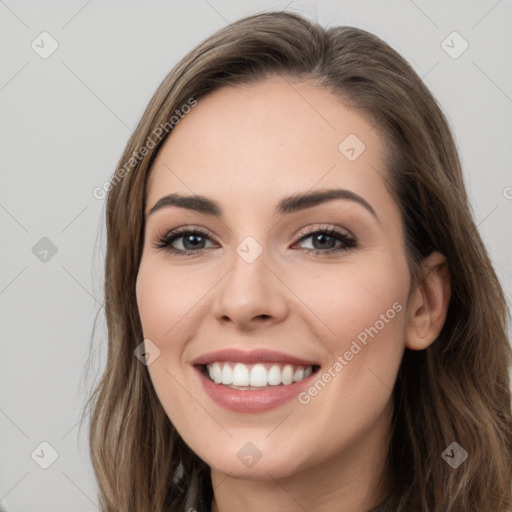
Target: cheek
<point>363,308</point>
<point>353,297</point>
<point>361,322</point>
<point>363,301</point>
<point>163,301</point>
<point>164,297</point>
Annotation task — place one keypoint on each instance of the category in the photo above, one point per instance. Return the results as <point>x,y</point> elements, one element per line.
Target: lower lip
<point>240,400</point>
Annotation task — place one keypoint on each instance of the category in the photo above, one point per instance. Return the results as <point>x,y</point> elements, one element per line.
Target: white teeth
<point>298,375</point>
<point>287,375</point>
<point>217,373</point>
<point>274,375</point>
<point>227,375</point>
<point>240,375</point>
<point>259,375</point>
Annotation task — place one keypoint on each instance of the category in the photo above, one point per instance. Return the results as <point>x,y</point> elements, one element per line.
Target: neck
<point>355,480</point>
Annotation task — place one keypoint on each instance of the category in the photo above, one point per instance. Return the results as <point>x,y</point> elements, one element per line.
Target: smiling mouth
<point>258,376</point>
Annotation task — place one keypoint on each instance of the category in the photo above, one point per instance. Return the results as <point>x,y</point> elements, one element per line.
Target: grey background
<point>64,122</point>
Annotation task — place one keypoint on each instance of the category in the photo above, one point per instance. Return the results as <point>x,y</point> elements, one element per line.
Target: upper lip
<point>252,356</point>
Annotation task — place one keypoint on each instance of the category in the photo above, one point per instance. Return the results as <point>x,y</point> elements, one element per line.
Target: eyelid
<point>185,229</point>
<point>308,230</point>
<point>180,231</point>
<point>168,237</point>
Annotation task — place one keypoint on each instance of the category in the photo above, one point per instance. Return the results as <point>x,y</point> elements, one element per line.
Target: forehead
<point>272,138</point>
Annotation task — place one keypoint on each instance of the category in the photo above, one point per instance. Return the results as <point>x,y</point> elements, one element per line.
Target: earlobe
<point>428,304</point>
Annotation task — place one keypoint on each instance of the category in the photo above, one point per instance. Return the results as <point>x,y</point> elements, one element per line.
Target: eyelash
<point>165,241</point>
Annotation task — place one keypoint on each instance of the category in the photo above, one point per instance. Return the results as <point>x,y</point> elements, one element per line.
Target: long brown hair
<point>457,390</point>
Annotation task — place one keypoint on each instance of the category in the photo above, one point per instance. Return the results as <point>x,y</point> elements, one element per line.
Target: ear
<point>428,304</point>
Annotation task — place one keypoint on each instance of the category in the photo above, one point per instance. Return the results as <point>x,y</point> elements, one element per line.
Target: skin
<point>247,147</point>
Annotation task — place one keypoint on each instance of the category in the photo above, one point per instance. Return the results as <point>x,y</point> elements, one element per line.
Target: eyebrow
<point>287,205</point>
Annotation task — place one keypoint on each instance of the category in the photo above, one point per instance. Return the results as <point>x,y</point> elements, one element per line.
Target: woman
<point>301,312</point>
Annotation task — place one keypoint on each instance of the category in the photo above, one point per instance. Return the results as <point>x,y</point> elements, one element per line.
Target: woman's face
<point>266,284</point>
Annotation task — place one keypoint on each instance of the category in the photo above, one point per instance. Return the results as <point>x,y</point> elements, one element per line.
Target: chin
<point>249,464</point>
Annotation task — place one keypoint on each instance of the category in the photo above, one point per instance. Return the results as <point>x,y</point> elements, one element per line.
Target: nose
<point>250,295</point>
